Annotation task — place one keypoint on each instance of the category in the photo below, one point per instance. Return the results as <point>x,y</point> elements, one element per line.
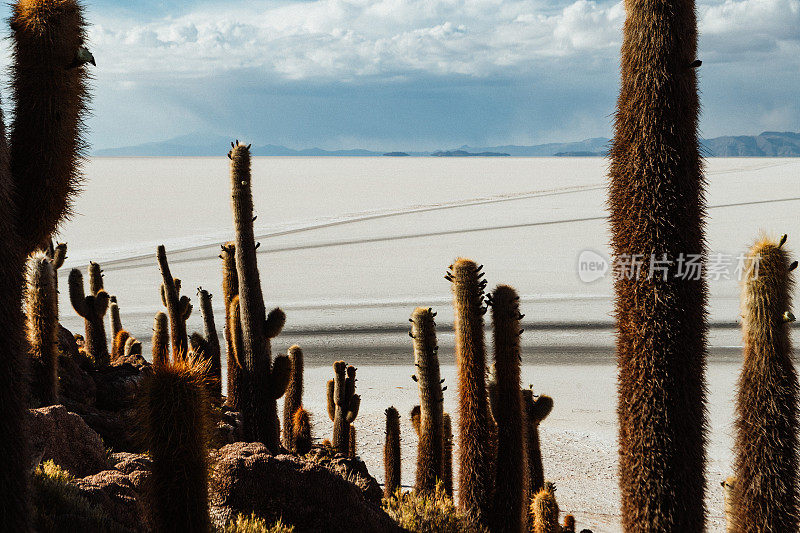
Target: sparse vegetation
<point>429,513</point>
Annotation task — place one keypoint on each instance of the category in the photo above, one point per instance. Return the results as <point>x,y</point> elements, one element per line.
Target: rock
<point>119,494</point>
<point>111,426</point>
<point>128,463</point>
<point>303,493</point>
<point>74,383</point>
<point>64,437</point>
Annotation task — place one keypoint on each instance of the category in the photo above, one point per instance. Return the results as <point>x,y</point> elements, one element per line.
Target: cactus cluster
<point>343,404</point>
<point>92,308</point>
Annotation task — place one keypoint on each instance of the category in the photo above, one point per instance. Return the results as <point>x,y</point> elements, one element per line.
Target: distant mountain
<point>767,144</point>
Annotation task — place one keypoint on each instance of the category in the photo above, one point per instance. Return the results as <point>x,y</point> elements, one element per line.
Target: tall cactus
<point>657,208</point>
<point>230,288</point>
<point>447,456</point>
<point>258,403</point>
<point>41,308</point>
<point>92,308</point>
<point>212,343</point>
<point>37,182</point>
<point>766,446</point>
<point>343,404</point>
<point>175,420</point>
<point>431,435</point>
<point>301,432</point>
<point>475,487</point>
<point>391,453</point>
<point>536,410</point>
<point>293,398</point>
<point>178,307</point>
<point>114,318</point>
<point>511,487</point>
<point>160,340</point>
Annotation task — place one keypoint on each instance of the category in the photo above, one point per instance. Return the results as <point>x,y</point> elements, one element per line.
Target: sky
<point>413,74</point>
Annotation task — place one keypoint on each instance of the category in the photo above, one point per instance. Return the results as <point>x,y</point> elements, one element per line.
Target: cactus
<point>511,487</point>
<point>56,253</point>
<point>391,453</point>
<point>51,97</point>
<point>475,487</point>
<point>236,380</point>
<point>178,307</point>
<point>293,399</point>
<point>118,348</point>
<point>766,445</point>
<point>175,420</point>
<point>343,404</point>
<point>92,308</point>
<point>544,511</point>
<point>258,401</point>
<point>657,208</point>
<point>351,443</point>
<point>212,352</point>
<point>160,340</point>
<point>536,410</point>
<point>230,288</point>
<point>301,432</point>
<point>414,416</point>
<point>41,308</point>
<point>569,524</point>
<point>431,436</point>
<point>38,177</point>
<point>728,487</point>
<point>115,320</point>
<point>447,456</point>
<point>133,348</point>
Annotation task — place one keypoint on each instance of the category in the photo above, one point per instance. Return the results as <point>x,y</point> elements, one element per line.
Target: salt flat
<point>349,246</point>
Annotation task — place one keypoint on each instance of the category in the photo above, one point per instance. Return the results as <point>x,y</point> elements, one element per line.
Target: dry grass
<point>255,524</point>
<point>430,513</point>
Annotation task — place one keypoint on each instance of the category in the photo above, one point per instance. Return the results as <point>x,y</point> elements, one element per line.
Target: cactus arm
<point>101,300</point>
<point>95,277</point>
<point>59,255</point>
<point>185,306</point>
<point>116,322</point>
<point>180,342</point>
<point>230,288</point>
<point>118,346</point>
<point>331,400</point>
<point>352,411</point>
<point>415,418</point>
<point>77,297</point>
<point>280,375</point>
<point>274,323</point>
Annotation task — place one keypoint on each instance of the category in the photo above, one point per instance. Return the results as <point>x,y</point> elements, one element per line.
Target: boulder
<point>118,385</point>
<point>119,494</point>
<point>112,426</point>
<point>303,493</point>
<point>64,437</point>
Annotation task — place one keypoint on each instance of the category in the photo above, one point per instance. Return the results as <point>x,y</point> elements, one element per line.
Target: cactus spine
<point>175,421</point>
<point>536,410</point>
<point>92,308</point>
<point>391,453</point>
<point>766,446</point>
<point>178,307</point>
<point>657,209</point>
<point>230,288</point>
<point>475,485</point>
<point>447,456</point>
<point>293,399</point>
<point>343,404</point>
<point>212,344</point>
<point>301,432</point>
<point>545,511</point>
<point>160,340</point>
<point>511,487</point>
<point>37,180</point>
<point>258,403</point>
<point>41,305</point>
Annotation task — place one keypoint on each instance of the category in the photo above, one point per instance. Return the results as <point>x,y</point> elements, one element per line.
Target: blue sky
<point>414,74</point>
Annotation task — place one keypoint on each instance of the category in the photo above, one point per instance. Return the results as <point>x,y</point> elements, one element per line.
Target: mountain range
<point>766,144</point>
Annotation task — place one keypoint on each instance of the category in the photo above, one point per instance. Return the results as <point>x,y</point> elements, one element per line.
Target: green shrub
<point>428,513</point>
<point>60,507</point>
